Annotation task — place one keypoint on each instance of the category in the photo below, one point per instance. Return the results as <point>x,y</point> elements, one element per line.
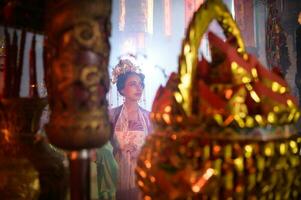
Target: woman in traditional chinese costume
<point>131,125</point>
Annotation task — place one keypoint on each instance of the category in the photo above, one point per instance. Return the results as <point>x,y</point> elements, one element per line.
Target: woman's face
<point>133,88</point>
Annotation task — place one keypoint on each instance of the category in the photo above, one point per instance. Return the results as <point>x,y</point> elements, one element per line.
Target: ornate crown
<point>124,65</point>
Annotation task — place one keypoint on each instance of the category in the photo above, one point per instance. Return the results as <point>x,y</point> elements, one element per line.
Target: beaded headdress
<point>127,63</point>
<point>124,65</point>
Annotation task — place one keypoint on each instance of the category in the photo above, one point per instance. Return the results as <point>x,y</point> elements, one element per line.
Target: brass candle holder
<point>37,168</point>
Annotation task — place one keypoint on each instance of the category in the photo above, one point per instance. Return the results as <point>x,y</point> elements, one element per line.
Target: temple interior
<point>150,99</point>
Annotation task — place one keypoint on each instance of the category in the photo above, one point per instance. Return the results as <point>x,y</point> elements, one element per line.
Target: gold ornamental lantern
<point>222,128</point>
<point>77,52</point>
<point>18,121</point>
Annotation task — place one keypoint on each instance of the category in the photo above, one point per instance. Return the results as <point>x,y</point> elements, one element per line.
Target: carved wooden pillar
<point>76,54</point>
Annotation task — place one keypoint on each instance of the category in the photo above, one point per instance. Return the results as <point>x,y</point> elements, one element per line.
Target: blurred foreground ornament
<point>19,179</point>
<point>77,53</point>
<point>30,168</point>
<point>222,128</point>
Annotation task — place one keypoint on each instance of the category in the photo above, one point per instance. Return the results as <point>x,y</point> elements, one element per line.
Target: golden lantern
<point>222,128</point>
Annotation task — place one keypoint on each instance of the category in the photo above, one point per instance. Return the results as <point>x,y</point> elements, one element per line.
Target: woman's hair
<point>123,77</point>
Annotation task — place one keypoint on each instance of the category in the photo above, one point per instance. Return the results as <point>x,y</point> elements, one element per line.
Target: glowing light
<point>268,150</point>
<point>148,164</point>
<point>276,109</point>
<point>216,149</point>
<point>179,119</point>
<point>282,148</point>
<point>140,183</point>
<point>167,109</point>
<point>241,114</point>
<point>282,90</point>
<point>275,86</point>
<point>239,99</point>
<point>147,198</point>
<point>142,174</point>
<point>202,180</point>
<point>294,146</point>
<point>6,135</point>
<point>166,118</point>
<point>248,151</point>
<point>249,122</point>
<point>152,115</point>
<point>239,121</point>
<point>289,103</point>
<point>291,115</point>
<point>178,97</point>
<point>271,117</point>
<point>158,116</point>
<point>246,79</point>
<point>259,119</point>
<point>228,93</point>
<point>186,48</point>
<point>167,17</point>
<point>186,80</point>
<point>239,163</point>
<point>174,136</point>
<point>255,96</point>
<point>152,179</point>
<point>122,15</point>
<point>219,119</point>
<point>228,120</point>
<point>150,16</point>
<point>249,87</point>
<point>240,70</point>
<point>254,72</point>
<point>36,184</point>
<point>234,66</point>
<point>245,56</point>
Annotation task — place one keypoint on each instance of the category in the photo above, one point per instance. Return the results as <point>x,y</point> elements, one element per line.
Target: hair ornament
<point>124,65</point>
